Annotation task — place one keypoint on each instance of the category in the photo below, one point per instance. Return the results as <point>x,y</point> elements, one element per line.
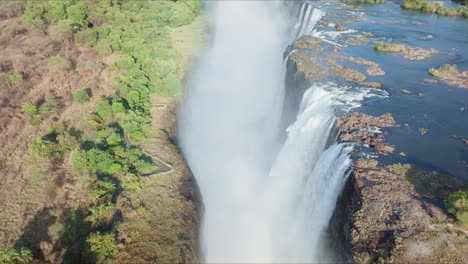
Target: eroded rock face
<point>360,127</point>
<point>385,215</point>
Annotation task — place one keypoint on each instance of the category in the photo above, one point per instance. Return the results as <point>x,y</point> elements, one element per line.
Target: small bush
<point>143,167</point>
<point>389,47</point>
<point>102,191</point>
<point>44,149</point>
<point>55,231</point>
<point>444,70</point>
<point>29,108</point>
<point>59,65</point>
<point>457,205</point>
<point>81,96</point>
<point>11,79</point>
<point>130,182</point>
<point>101,245</point>
<point>101,214</point>
<point>13,255</point>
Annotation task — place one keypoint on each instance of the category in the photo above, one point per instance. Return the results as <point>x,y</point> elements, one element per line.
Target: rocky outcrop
<point>395,214</point>
<point>366,129</point>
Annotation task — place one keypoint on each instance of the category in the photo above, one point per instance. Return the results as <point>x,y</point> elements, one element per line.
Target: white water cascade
<point>265,200</point>
<point>306,21</point>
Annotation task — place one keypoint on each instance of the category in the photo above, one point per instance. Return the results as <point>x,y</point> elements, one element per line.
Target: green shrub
<point>101,245</point>
<point>118,107</point>
<point>86,38</point>
<point>445,11</point>
<point>44,149</point>
<point>130,182</point>
<point>429,7</point>
<point>389,47</point>
<point>59,65</point>
<point>35,14</point>
<point>102,191</point>
<point>133,98</point>
<point>457,205</point>
<point>143,167</point>
<point>78,160</point>
<point>49,107</point>
<point>11,79</point>
<point>58,9</point>
<point>81,96</point>
<point>114,139</point>
<point>413,4</point>
<point>56,231</point>
<point>444,71</point>
<point>99,161</point>
<point>13,255</point>
<point>29,108</point>
<point>77,14</point>
<point>133,124</point>
<point>101,214</point>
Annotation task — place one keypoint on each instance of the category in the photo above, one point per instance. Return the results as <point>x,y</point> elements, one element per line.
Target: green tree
<point>103,109</point>
<point>457,205</point>
<point>13,255</point>
<point>35,14</point>
<point>102,191</point>
<point>101,214</point>
<point>101,245</point>
<point>77,14</point>
<point>99,160</point>
<point>58,9</point>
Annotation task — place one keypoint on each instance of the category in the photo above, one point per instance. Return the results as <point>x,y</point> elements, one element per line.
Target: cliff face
<point>382,215</point>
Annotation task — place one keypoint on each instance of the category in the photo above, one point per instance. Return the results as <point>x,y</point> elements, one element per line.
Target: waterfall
<point>309,178</point>
<point>266,199</point>
<point>306,22</point>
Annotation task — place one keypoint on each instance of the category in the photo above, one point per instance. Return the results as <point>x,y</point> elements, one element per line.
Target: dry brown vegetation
<point>29,186</point>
